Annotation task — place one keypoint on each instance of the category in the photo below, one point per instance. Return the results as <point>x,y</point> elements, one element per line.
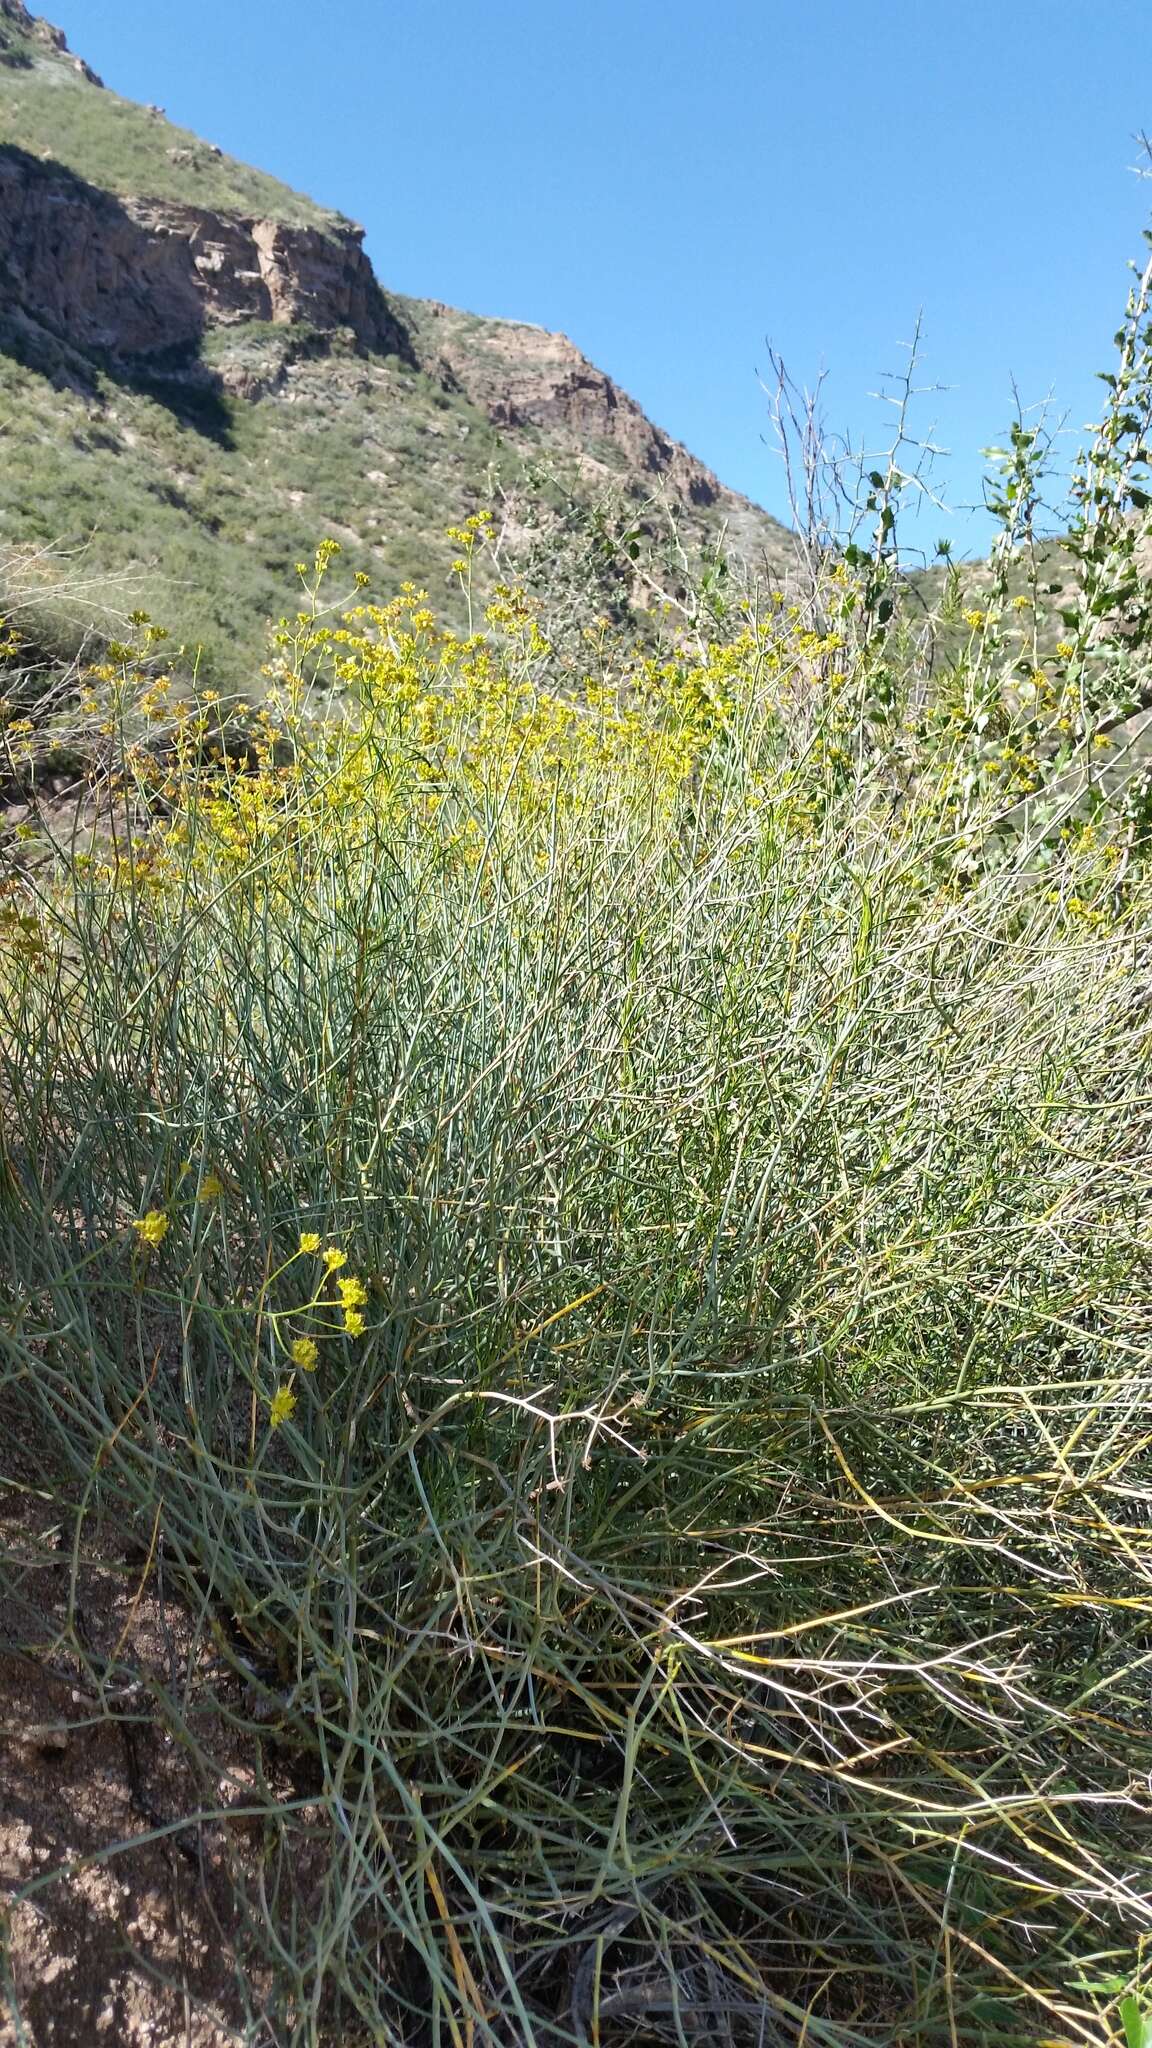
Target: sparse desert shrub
<point>600,1222</point>
<point>588,1205</point>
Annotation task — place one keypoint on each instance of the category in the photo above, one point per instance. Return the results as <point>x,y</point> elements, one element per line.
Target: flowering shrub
<point>595,1214</point>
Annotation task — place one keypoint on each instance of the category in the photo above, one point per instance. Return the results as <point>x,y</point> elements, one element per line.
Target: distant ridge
<point>200,375</point>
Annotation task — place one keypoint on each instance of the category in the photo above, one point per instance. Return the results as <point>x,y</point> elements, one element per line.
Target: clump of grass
<point>603,1236</point>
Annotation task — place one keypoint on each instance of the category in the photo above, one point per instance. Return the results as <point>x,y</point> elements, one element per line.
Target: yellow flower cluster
<point>22,935</point>
<point>353,1297</point>
<point>282,1407</point>
<point>303,1351</point>
<point>377,719</point>
<point>1018,767</point>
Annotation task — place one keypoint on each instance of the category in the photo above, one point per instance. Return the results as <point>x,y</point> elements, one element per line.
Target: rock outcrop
<point>145,278</point>
<point>524,376</point>
<point>138,278</point>
<point>15,21</point>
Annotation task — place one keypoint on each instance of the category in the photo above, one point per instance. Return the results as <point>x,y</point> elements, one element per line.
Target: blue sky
<point>676,184</point>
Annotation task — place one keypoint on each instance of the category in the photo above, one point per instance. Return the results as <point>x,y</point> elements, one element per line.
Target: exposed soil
<point>120,1923</point>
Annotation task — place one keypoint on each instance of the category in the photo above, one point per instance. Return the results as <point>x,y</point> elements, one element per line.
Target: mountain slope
<point>200,376</point>
<point>111,142</point>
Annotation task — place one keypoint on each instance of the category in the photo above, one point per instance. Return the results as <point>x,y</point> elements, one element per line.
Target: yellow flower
<point>309,1240</point>
<point>333,1258</point>
<point>1065,649</point>
<point>304,1353</point>
<point>152,1228</point>
<point>282,1406</point>
<point>975,618</point>
<point>353,1293</point>
<point>353,1322</point>
<point>210,1188</point>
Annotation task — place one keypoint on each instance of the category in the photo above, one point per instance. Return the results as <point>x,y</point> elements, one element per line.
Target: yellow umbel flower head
<point>282,1407</point>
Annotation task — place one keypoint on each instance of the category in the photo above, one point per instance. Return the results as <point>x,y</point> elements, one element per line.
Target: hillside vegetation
<point>199,373</point>
<point>52,104</point>
<point>119,493</point>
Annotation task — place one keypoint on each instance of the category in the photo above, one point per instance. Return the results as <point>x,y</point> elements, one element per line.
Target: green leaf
<point>1137,2024</point>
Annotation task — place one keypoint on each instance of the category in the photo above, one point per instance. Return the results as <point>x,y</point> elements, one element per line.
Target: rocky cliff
<point>524,376</point>
<point>140,277</point>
